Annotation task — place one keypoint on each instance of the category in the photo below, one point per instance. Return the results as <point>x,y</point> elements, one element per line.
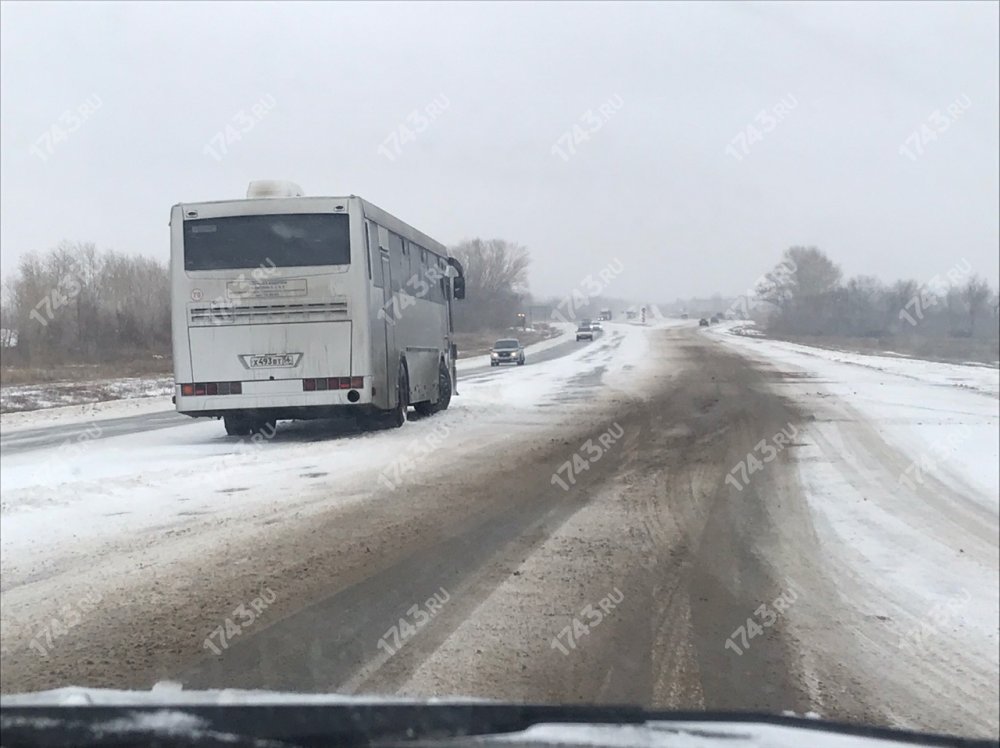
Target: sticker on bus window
<point>267,289</point>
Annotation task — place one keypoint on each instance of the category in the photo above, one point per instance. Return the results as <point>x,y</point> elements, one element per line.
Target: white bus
<point>287,307</point>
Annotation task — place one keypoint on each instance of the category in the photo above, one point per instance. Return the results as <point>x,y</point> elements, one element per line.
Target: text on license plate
<point>271,360</point>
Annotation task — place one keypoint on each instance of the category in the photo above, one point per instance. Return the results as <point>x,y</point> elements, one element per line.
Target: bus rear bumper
<point>301,413</point>
<point>300,403</point>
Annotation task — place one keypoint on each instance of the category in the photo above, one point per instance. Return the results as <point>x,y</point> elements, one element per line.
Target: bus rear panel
<point>301,307</point>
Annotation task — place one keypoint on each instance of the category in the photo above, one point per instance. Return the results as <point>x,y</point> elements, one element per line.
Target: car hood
<point>171,716</point>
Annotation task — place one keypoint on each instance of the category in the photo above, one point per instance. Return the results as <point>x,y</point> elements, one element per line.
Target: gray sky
<point>653,186</point>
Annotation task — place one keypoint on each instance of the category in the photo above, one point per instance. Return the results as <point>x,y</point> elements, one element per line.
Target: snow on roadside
<point>74,415</point>
<point>944,415</point>
<point>973,375</point>
<point>56,500</point>
<point>30,397</point>
<point>913,547</point>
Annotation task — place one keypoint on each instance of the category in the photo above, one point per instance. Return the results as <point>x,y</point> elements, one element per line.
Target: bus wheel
<point>266,428</point>
<point>444,387</point>
<point>398,415</point>
<point>236,425</point>
<point>427,408</point>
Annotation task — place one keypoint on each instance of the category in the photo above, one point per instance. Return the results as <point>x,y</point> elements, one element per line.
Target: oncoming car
<point>507,351</point>
<point>703,322</point>
<point>584,332</point>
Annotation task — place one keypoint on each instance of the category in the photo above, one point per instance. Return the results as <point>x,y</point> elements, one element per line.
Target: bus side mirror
<point>459,287</point>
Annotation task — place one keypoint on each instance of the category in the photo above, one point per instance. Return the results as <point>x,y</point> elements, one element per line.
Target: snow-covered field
<point>900,463</point>
<point>28,397</point>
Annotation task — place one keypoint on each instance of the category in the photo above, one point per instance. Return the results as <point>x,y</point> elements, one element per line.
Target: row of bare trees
<point>806,295</point>
<point>74,304</point>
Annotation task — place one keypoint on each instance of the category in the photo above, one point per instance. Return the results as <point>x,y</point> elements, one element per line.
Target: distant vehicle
<point>597,327</point>
<point>684,315</point>
<point>507,351</point>
<point>605,315</point>
<point>703,322</point>
<point>584,332</point>
<point>630,314</point>
<point>715,319</point>
<point>289,307</point>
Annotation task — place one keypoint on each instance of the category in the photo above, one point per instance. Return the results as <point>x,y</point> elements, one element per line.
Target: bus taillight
<point>212,388</point>
<point>332,383</point>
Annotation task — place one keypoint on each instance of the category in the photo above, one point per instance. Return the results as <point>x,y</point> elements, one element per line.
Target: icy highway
<point>669,516</point>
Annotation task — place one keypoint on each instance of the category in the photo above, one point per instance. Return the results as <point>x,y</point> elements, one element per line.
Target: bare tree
<point>799,287</point>
<point>803,272</point>
<point>976,294</point>
<point>496,281</point>
<point>897,297</point>
<point>863,300</point>
<point>74,304</point>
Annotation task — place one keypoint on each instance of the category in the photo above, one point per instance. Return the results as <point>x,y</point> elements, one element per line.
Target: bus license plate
<point>271,360</point>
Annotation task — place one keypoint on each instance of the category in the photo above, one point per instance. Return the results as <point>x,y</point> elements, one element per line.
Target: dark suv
<point>507,351</point>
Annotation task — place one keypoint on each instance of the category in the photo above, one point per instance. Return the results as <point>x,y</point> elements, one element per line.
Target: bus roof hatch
<point>273,188</point>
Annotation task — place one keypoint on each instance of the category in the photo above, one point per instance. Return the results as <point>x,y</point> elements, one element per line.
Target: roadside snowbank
<point>16,399</point>
<point>944,415</point>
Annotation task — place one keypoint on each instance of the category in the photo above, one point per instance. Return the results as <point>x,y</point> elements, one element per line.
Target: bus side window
<point>398,261</point>
<point>434,278</point>
<point>368,247</point>
<point>427,273</point>
<point>416,263</point>
<point>374,255</point>
<point>445,283</point>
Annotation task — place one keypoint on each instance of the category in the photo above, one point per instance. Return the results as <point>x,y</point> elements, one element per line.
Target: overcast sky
<point>653,185</point>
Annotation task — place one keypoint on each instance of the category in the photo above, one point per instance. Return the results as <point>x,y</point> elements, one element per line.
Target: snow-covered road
<point>95,484</point>
<point>887,572</point>
<point>900,465</point>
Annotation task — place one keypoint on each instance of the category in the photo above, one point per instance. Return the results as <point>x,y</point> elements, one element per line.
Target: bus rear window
<point>285,240</point>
